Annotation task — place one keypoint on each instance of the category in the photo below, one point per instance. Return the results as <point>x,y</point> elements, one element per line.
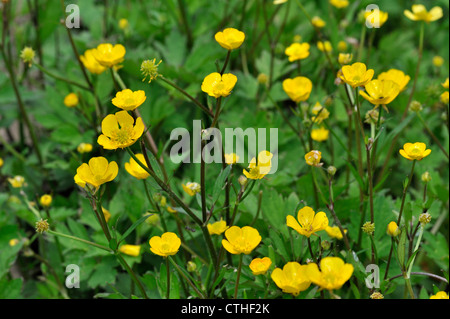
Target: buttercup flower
<point>297,51</point>
<point>335,232</point>
<point>438,61</point>
<point>71,100</point>
<point>166,245</point>
<point>376,17</point>
<point>150,68</point>
<point>392,229</point>
<point>123,24</point>
<point>46,200</point>
<point>231,158</point>
<point>313,158</point>
<point>440,295</point>
<point>396,76</point>
<point>333,273</point>
<point>217,85</point>
<point>135,170</point>
<point>324,46</point>
<point>356,74</point>
<point>318,22</point>
<point>97,172</point>
<point>308,221</point>
<point>345,58</point>
<point>109,55</point>
<point>84,148</point>
<point>230,38</point>
<point>91,63</point>
<point>259,169</point>
<point>445,84</point>
<point>380,92</point>
<point>241,240</point>
<point>217,228</point>
<point>1,162</point>
<point>279,1</point>
<point>130,250</point>
<point>444,98</point>
<point>320,112</point>
<point>292,279</point>
<point>420,13</point>
<point>320,134</point>
<point>416,151</point>
<point>27,55</point>
<point>13,242</point>
<point>259,266</point>
<point>17,181</point>
<point>120,131</point>
<point>129,100</point>
<point>106,213</point>
<point>298,89</point>
<point>342,46</point>
<point>191,188</point>
<point>339,3</point>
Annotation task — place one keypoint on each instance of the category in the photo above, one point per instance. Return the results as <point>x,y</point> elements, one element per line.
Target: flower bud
<point>424,218</point>
<point>27,55</point>
<point>191,266</point>
<point>42,226</point>
<point>426,177</point>
<point>153,219</point>
<point>46,200</point>
<point>242,180</point>
<point>262,78</point>
<point>325,244</point>
<point>368,228</point>
<point>331,170</point>
<point>415,106</point>
<point>392,229</point>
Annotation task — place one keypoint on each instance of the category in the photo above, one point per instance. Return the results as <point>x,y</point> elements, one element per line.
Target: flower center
<point>122,135</point>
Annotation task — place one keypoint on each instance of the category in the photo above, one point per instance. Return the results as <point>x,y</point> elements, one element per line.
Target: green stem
<point>404,192</point>
<point>80,240</point>
<point>168,278</point>
<point>60,78</point>
<point>182,274</point>
<point>238,276</point>
<point>133,275</point>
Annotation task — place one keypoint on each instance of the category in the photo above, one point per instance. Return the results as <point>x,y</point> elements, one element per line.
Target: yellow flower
<point>191,188</point>
<point>320,134</point>
<point>259,266</point>
<point>313,158</point>
<point>438,61</point>
<point>392,229</point>
<point>332,275</point>
<point>109,55</point>
<point>97,172</point>
<point>150,68</point>
<point>217,85</point>
<point>444,97</point>
<point>241,240</point>
<point>297,51</point>
<point>130,250</point>
<point>13,242</point>
<point>416,151</point>
<point>27,55</point>
<point>339,3</point>
<point>440,295</point>
<point>445,84</point>
<point>259,169</point>
<point>217,228</point>
<point>298,89</point>
<point>308,221</point>
<point>106,213</point>
<point>1,162</point>
<point>84,148</point>
<point>128,100</point>
<point>324,46</point>
<point>135,170</point>
<point>376,17</point>
<point>342,46</point>
<point>356,74</point>
<point>368,228</point>
<point>396,76</point>
<point>231,158</point>
<point>335,232</point>
<point>320,113</point>
<point>91,63</point>
<point>46,200</point>
<point>420,13</point>
<point>230,38</point>
<point>318,22</point>
<point>123,23</point>
<point>71,100</point>
<point>279,1</point>
<point>42,226</point>
<point>120,130</point>
<point>166,245</point>
<point>380,92</point>
<point>345,58</point>
<point>292,279</point>
<point>17,181</point>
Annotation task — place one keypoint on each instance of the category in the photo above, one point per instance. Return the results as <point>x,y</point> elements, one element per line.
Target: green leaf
<point>10,289</point>
<point>220,183</point>
<point>401,249</point>
<point>132,227</point>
